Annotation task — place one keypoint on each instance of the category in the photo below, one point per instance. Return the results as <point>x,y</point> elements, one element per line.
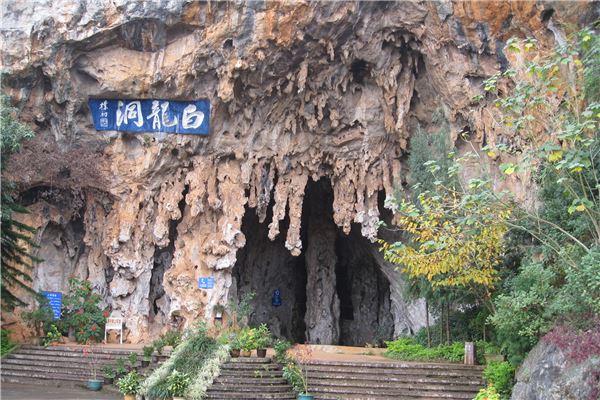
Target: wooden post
<point>469,353</point>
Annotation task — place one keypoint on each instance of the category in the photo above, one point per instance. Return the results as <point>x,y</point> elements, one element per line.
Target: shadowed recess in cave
<point>332,293</point>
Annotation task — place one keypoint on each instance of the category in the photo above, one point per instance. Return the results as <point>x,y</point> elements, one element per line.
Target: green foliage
<point>130,383</point>
<point>172,338</point>
<point>81,311</point>
<point>132,358</point>
<point>41,319</point>
<point>190,356</point>
<point>247,338</point>
<point>120,367</point>
<point>295,377</point>
<point>240,311</point>
<point>159,344</point>
<point>16,238</point>
<point>177,383</point>
<point>148,350</point>
<point>6,346</point>
<point>501,376</point>
<point>109,371</point>
<point>263,337</point>
<point>52,336</point>
<point>281,348</point>
<point>409,350</point>
<point>489,393</point>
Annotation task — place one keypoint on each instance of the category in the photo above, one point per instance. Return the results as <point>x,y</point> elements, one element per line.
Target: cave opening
<point>332,293</point>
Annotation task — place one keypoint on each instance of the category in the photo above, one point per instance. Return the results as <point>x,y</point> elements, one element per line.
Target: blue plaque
<point>55,301</point>
<point>206,283</point>
<point>276,298</point>
<point>149,115</point>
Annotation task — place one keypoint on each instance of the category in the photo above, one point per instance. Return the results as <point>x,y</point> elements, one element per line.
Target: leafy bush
<point>41,319</point>
<point>130,383</point>
<point>177,383</point>
<point>408,349</point>
<point>6,346</point>
<point>81,311</point>
<point>248,339</point>
<point>197,346</point>
<point>293,374</point>
<point>488,393</point>
<point>577,346</point>
<point>263,337</point>
<point>172,338</point>
<point>148,350</point>
<point>281,347</point>
<point>501,376</point>
<point>52,336</point>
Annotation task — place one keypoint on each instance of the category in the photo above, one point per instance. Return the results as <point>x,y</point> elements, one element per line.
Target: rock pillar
<point>322,303</point>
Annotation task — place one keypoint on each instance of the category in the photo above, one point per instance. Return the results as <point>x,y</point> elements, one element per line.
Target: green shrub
<point>82,313</point>
<point>488,393</point>
<point>52,336</point>
<point>500,374</point>
<point>133,359</point>
<point>408,349</point>
<point>263,337</point>
<point>6,346</point>
<point>178,383</point>
<point>281,347</point>
<point>130,383</point>
<point>41,319</point>
<point>172,338</point>
<point>248,339</point>
<point>148,350</point>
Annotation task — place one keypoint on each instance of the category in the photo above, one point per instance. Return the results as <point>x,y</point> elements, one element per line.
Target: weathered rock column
<point>322,303</point>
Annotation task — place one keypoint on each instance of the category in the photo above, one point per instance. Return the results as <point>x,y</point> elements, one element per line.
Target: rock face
<point>546,374</point>
<point>300,93</point>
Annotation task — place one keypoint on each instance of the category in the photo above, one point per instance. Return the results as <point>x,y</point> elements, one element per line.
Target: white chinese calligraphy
<point>191,119</point>
<point>133,111</point>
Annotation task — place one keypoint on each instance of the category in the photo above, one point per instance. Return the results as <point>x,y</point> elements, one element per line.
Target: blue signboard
<point>55,301</point>
<point>171,116</point>
<point>206,283</point>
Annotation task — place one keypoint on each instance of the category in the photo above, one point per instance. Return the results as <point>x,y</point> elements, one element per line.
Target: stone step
<point>393,371</point>
<point>248,396</point>
<point>240,380</point>
<point>396,378</point>
<point>250,373</point>
<point>398,364</point>
<point>249,366</point>
<point>250,360</point>
<point>18,359</point>
<point>33,376</point>
<point>330,396</point>
<point>368,385</point>
<point>254,388</point>
<point>376,393</point>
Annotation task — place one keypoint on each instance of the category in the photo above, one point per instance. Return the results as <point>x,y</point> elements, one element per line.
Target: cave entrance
<point>332,293</point>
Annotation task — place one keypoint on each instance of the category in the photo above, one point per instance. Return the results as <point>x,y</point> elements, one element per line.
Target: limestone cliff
<point>299,91</point>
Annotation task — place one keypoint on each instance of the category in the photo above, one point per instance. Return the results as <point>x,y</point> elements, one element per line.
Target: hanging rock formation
<point>299,91</point>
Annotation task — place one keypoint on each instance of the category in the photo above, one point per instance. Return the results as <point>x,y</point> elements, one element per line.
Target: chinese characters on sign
<point>55,301</point>
<point>206,283</point>
<point>151,115</point>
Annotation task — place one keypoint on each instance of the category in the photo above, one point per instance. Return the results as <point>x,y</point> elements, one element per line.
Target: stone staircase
<point>60,365</point>
<point>249,379</point>
<point>393,380</point>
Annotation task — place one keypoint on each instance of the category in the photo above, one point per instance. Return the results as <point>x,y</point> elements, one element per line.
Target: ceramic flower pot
<point>244,353</point>
<point>129,397</point>
<point>261,353</point>
<point>305,396</point>
<point>94,384</point>
<point>145,363</point>
<point>235,353</point>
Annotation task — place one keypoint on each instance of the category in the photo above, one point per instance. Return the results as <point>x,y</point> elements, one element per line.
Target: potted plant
<point>93,383</point>
<point>109,374</point>
<point>120,369</point>
<point>234,344</point>
<point>129,385</point>
<point>177,384</point>
<point>247,337</point>
<point>147,358</point>
<point>263,340</point>
<point>133,360</point>
<point>159,344</point>
<point>296,373</point>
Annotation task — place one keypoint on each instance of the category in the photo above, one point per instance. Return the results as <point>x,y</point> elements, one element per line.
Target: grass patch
<point>408,349</point>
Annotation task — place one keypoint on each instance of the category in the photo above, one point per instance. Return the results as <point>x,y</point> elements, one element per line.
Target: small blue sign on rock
<point>55,301</point>
<point>150,115</point>
<point>206,283</point>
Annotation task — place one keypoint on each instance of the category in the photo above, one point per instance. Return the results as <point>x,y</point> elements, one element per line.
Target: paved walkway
<point>20,391</point>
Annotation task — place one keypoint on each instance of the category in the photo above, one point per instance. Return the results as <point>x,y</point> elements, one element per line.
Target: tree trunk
<point>448,323</point>
<point>427,323</point>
